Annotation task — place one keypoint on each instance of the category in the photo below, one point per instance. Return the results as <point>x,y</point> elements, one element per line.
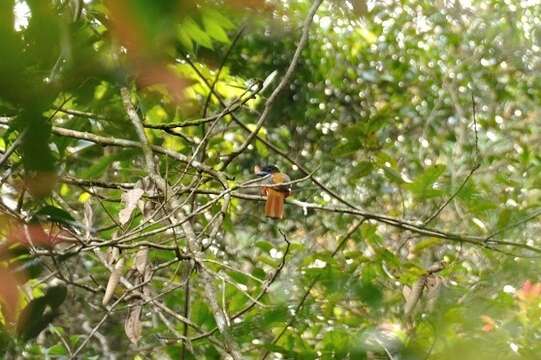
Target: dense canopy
<point>133,223</point>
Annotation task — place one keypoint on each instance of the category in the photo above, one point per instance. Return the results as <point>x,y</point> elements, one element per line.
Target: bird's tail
<point>274,207</point>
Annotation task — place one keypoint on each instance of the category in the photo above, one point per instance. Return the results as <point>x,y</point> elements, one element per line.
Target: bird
<point>276,195</point>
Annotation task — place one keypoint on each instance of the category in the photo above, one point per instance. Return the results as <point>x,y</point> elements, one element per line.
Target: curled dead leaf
<point>414,296</point>
<point>141,260</point>
<point>132,325</point>
<point>433,285</point>
<point>129,199</point>
<point>113,254</point>
<point>88,219</point>
<point>406,291</point>
<point>146,278</point>
<point>114,278</point>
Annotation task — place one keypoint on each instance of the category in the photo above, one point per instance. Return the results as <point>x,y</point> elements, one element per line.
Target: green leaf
<point>6,341</point>
<point>57,350</point>
<point>336,341</point>
<point>261,149</point>
<point>36,152</point>
<point>184,38</point>
<point>98,167</point>
<point>474,199</point>
<point>214,29</point>
<point>195,33</point>
<point>218,18</point>
<point>362,169</point>
<point>56,295</point>
<point>264,245</point>
<point>156,115</point>
<point>393,175</point>
<point>268,260</point>
<point>369,293</point>
<point>504,217</point>
<point>240,278</point>
<point>40,312</point>
<point>49,213</point>
<point>426,244</point>
<point>201,314</point>
<point>346,148</point>
<point>423,187</point>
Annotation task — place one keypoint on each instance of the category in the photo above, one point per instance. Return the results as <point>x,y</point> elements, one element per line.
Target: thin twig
<point>475,167</point>
<point>281,85</point>
<point>299,306</point>
<point>13,147</point>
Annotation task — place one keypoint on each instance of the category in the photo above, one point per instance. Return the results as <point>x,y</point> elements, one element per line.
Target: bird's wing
<point>279,178</point>
<point>286,180</point>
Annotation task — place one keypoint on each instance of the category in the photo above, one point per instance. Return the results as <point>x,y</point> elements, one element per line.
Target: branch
<point>416,228</point>
<point>96,183</point>
<point>13,147</point>
<point>161,183</point>
<point>138,126</point>
<point>280,87</point>
<point>448,201</point>
<point>472,171</point>
<point>111,141</point>
<point>299,306</point>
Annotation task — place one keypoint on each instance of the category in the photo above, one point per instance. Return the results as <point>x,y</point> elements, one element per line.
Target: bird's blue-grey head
<point>267,170</point>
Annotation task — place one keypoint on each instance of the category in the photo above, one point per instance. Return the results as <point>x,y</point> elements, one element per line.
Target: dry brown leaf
<point>141,260</point>
<point>113,254</point>
<point>433,285</point>
<point>114,278</point>
<point>406,291</point>
<point>30,235</point>
<point>129,199</point>
<point>146,207</point>
<point>414,296</point>
<point>146,278</point>
<point>88,219</point>
<point>132,324</point>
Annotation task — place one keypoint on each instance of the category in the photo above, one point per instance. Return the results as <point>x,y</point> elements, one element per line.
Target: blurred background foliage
<point>394,103</point>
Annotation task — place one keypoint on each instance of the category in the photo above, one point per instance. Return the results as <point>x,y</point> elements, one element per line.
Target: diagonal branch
<point>281,86</point>
<point>161,183</point>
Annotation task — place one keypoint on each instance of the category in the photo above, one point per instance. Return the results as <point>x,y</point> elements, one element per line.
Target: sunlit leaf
<point>424,185</point>
<point>213,28</point>
<point>192,29</point>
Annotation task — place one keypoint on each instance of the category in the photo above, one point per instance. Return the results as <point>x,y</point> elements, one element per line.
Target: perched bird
<point>276,195</point>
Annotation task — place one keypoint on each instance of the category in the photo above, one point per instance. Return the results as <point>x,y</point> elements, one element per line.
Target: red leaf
<point>529,291</point>
<point>29,234</point>
<point>488,323</point>
<point>9,295</point>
